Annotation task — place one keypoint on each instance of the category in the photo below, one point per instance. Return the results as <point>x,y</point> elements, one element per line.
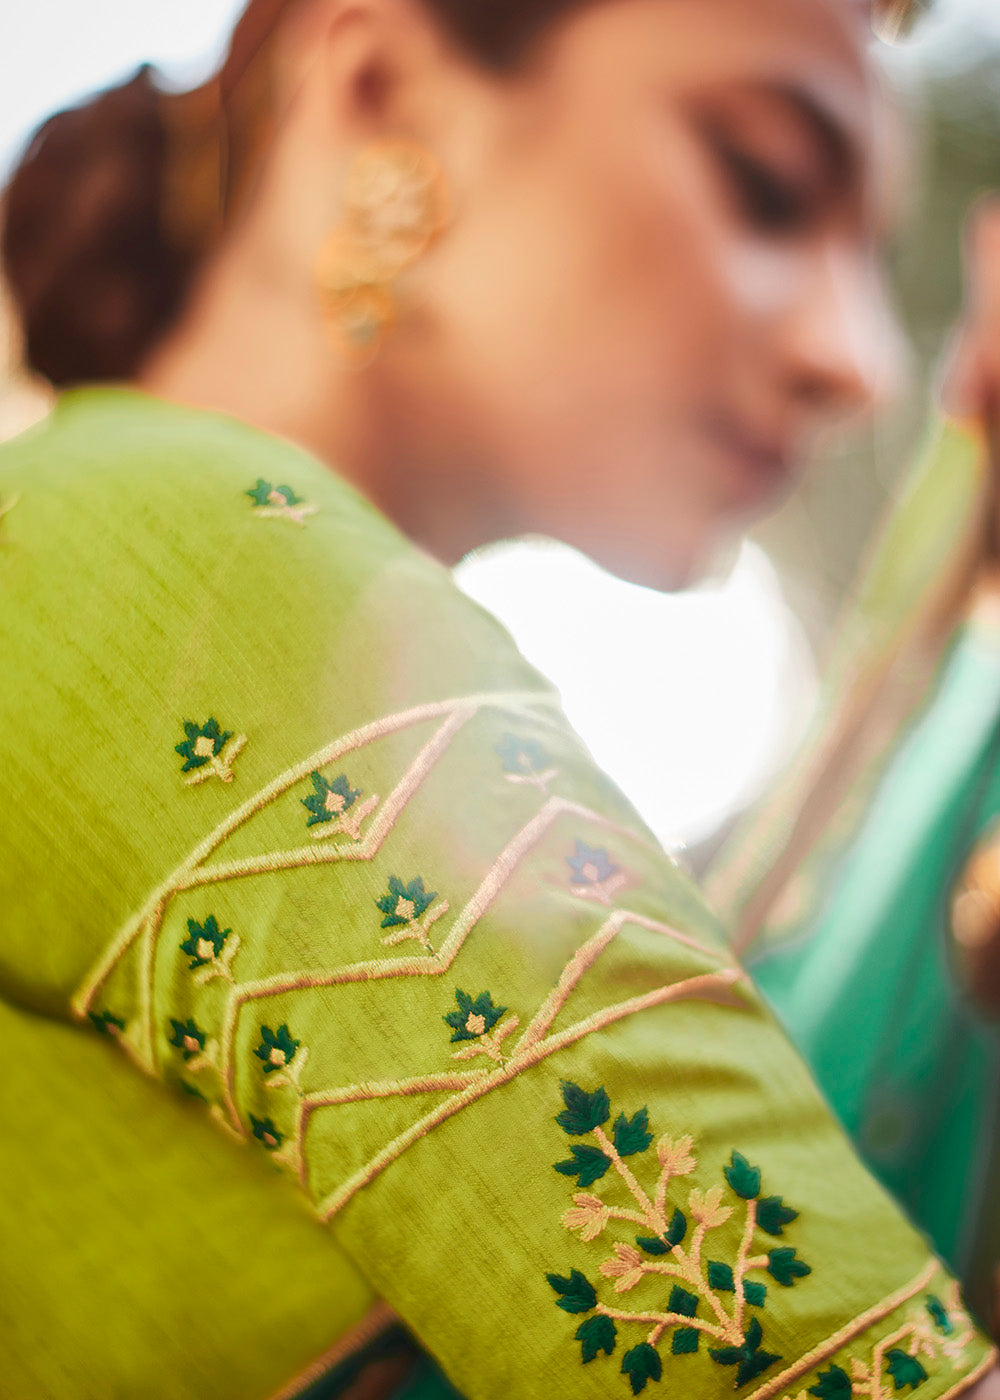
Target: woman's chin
<point>669,566</point>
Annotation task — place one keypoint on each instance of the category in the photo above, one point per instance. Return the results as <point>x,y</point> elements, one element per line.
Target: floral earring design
<point>396,205</point>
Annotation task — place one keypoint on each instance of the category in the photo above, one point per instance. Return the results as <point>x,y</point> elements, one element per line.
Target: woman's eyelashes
<point>771,203</point>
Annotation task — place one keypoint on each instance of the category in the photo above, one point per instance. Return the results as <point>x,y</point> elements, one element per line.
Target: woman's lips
<point>767,461</point>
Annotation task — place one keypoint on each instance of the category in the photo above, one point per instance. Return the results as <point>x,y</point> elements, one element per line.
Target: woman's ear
<point>376,59</point>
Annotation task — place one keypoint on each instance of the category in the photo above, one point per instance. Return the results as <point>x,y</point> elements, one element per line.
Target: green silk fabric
<point>334,974</point>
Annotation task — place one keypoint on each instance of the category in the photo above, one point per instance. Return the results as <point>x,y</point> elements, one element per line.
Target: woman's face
<point>661,280</point>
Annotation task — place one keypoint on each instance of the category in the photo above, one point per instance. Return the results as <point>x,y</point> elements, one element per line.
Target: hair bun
<point>92,277</point>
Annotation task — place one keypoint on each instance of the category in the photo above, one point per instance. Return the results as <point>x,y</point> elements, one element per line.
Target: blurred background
<point>691,702</point>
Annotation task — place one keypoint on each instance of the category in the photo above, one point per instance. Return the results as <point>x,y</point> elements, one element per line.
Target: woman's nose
<point>845,349</point>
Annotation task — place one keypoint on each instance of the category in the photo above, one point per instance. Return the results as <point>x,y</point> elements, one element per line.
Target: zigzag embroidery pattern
<point>462,1087</point>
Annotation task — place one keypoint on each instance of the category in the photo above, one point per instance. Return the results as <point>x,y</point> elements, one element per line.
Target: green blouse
<point>429,1027</point>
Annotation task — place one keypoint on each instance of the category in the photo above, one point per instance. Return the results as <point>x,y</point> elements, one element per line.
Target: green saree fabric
<point>340,987</point>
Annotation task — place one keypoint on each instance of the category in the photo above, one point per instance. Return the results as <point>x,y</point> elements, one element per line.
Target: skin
<point>659,287</point>
<point>619,292</point>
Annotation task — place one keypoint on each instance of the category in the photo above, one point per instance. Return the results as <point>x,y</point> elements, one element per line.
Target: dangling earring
<point>396,206</point>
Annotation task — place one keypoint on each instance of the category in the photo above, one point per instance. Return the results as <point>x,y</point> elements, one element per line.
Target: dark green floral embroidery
<point>686,1295</point>
<point>407,909</point>
<point>333,807</point>
<point>931,1331</point>
<point>277,1048</point>
<point>107,1023</point>
<point>272,501</point>
<point>594,874</point>
<point>524,761</point>
<point>192,1090</point>
<point>939,1315</point>
<point>265,1131</point>
<point>210,949</point>
<point>208,751</point>
<point>474,1021</point>
<point>188,1038</point>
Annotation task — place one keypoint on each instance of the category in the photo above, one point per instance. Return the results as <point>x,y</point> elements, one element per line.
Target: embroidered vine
<point>271,502</point>
<point>210,949</point>
<point>594,875</point>
<point>282,1057</point>
<point>686,1294</point>
<point>524,761</point>
<point>474,1021</point>
<point>333,807</point>
<point>407,910</point>
<point>933,1329</point>
<point>208,751</point>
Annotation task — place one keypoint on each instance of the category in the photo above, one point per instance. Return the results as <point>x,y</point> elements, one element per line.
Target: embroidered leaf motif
<point>588,1214</point>
<point>755,1293</point>
<point>632,1136</point>
<point>265,1132</point>
<point>707,1207</point>
<point>474,1017</point>
<point>749,1359</point>
<point>939,1315</point>
<point>524,761</point>
<point>203,750</point>
<point>673,1234</point>
<point>641,1364</point>
<point>683,1302</point>
<point>203,743</point>
<point>330,799</point>
<point>404,903</point>
<point>720,1276</point>
<point>594,1335</point>
<point>204,941</point>
<point>773,1215</point>
<point>577,1295</point>
<point>905,1369</point>
<point>685,1341</point>
<point>783,1265</point>
<point>834,1384</point>
<point>591,865</point>
<point>588,1163</point>
<point>676,1158</point>
<point>626,1267</point>
<point>277,1048</point>
<point>742,1177</point>
<point>106,1023</point>
<point>192,1090</point>
<point>583,1112</point>
<point>187,1038</point>
<point>271,500</point>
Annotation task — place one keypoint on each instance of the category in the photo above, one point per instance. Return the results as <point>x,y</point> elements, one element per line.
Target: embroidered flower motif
<point>107,1023</point>
<point>210,949</point>
<point>208,751</point>
<point>265,1131</point>
<point>524,761</point>
<point>281,1056</point>
<point>474,1021</point>
<point>594,873</point>
<point>682,1293</point>
<point>191,1040</point>
<point>270,502</point>
<point>333,809</point>
<point>407,909</point>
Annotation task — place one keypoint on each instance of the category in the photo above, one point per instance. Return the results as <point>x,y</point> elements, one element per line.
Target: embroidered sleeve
<point>385,917</point>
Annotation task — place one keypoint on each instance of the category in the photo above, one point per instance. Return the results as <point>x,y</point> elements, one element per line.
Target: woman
<point>866,893</point>
<point>289,820</point>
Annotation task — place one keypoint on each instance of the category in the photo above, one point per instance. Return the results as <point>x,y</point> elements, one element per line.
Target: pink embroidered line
<point>356,739</point>
<point>691,987</point>
<point>378,1319</point>
<point>833,1344</point>
<point>988,1361</point>
<point>508,861</point>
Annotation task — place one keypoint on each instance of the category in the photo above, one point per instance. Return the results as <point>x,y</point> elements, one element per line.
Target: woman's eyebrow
<point>842,149</point>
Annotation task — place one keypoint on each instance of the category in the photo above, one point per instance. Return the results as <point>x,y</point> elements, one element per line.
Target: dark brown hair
<point>94,271</point>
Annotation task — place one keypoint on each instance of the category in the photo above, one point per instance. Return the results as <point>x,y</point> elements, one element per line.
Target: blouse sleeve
<point>337,864</point>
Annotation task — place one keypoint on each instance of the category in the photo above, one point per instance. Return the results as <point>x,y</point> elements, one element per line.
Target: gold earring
<point>396,205</point>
